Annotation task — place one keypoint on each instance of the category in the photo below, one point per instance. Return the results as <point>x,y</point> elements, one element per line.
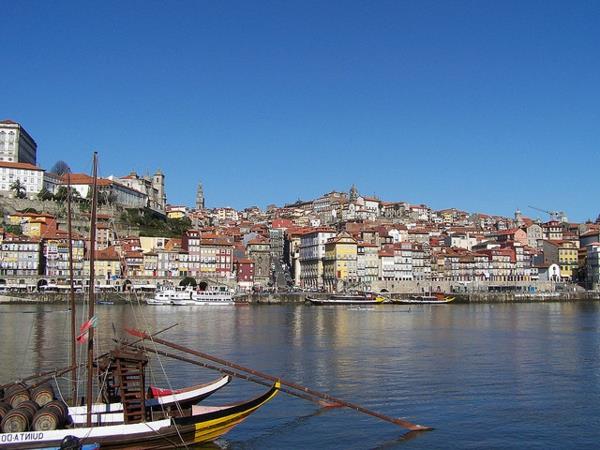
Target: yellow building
<point>568,259</point>
<point>107,264</point>
<point>565,254</point>
<point>339,264</point>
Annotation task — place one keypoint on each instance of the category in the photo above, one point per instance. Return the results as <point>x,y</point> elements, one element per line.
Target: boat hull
<point>343,301</point>
<point>167,433</point>
<point>409,301</point>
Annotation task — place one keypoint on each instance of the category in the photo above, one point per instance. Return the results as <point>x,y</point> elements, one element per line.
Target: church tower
<point>353,193</point>
<point>158,183</point>
<point>200,197</point>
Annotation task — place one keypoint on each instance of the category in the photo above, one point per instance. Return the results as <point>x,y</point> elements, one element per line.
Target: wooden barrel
<point>16,420</point>
<point>61,408</point>
<point>42,394</point>
<point>16,394</point>
<point>4,408</point>
<point>47,418</point>
<point>30,405</point>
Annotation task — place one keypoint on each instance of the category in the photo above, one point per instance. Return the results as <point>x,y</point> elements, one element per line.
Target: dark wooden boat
<point>368,298</point>
<point>436,299</point>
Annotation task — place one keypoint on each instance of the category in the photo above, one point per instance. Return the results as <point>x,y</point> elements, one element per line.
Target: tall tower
<point>518,218</point>
<point>158,183</point>
<point>353,193</point>
<point>200,197</point>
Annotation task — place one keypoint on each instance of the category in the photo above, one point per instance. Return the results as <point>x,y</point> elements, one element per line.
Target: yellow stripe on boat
<point>213,429</point>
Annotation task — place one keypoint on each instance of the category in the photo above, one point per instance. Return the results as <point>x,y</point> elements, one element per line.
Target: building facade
<point>16,145</point>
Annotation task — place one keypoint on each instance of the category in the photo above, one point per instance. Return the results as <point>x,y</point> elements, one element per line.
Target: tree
<point>45,194</point>
<point>60,168</point>
<point>19,189</point>
<point>188,281</point>
<point>61,194</point>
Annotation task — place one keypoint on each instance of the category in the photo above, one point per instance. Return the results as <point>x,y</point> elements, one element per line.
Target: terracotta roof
<point>82,178</point>
<point>107,254</point>
<point>9,122</point>
<point>18,165</point>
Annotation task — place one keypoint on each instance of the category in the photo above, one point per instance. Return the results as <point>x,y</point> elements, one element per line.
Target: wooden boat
<point>437,299</point>
<point>348,299</point>
<point>193,425</point>
<point>129,420</point>
<point>156,399</point>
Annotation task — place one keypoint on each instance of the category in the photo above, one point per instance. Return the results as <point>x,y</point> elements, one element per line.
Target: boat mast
<point>92,300</point>
<point>72,295</point>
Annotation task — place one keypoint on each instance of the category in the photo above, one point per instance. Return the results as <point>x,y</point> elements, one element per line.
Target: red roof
<point>9,122</point>
<point>18,165</point>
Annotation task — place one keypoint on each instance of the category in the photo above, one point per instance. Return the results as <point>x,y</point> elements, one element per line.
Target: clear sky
<point>485,105</point>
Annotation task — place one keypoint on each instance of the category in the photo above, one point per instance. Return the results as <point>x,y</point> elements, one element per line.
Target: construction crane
<point>558,216</point>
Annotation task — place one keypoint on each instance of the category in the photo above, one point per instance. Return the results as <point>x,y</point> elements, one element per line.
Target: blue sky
<point>486,106</point>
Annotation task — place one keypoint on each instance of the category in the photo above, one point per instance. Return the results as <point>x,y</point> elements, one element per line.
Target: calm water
<point>485,376</point>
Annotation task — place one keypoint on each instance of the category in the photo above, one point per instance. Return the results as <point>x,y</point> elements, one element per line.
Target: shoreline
<point>300,298</point>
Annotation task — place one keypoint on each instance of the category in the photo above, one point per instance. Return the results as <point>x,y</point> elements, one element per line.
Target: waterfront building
<point>150,264</point>
<point>190,242</point>
<point>312,252</point>
<point>134,264</point>
<point>387,268</point>
<point>29,176</point>
<point>56,255</point>
<point>367,263</point>
<point>403,261</point>
<point>340,262</point>
<point>593,266</point>
<point>20,256</point>
<point>216,256</point>
<point>16,145</point>
<point>563,253</point>
<point>107,266</point>
<point>259,251</point>
<point>244,271</point>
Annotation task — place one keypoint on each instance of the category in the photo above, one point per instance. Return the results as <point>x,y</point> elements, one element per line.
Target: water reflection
<point>531,367</point>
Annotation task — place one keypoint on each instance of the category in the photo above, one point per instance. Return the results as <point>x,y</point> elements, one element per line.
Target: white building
<point>119,193</point>
<point>16,145</point>
<point>153,187</point>
<point>312,252</point>
<point>29,176</point>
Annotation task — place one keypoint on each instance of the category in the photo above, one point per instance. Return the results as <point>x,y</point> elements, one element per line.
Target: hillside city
<point>337,242</point>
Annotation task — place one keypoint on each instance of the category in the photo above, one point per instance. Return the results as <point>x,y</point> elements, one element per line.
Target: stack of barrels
<point>24,409</point>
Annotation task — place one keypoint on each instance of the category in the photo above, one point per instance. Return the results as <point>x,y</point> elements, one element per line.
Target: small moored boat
<point>367,298</point>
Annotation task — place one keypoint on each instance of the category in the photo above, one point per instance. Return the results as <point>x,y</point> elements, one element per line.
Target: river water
<point>484,376</point>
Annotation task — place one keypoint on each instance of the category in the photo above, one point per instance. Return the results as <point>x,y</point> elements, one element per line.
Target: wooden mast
<point>72,295</point>
<point>92,299</point>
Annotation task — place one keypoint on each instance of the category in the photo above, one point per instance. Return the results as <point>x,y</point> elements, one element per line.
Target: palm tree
<point>19,189</point>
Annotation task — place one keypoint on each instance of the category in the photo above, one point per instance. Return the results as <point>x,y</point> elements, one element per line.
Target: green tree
<point>19,189</point>
<point>45,194</point>
<point>188,281</point>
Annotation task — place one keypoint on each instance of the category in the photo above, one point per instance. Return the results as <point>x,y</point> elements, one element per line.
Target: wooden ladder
<point>130,379</point>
